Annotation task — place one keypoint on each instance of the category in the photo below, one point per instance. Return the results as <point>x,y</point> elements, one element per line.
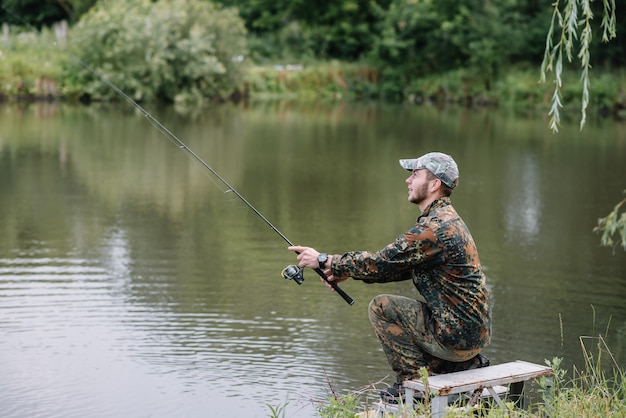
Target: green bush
<point>29,65</point>
<point>170,50</point>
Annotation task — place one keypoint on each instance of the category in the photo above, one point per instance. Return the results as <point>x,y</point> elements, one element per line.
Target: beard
<point>419,195</point>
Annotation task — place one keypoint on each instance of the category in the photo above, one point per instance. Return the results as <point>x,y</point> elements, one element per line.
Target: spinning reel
<point>294,273</point>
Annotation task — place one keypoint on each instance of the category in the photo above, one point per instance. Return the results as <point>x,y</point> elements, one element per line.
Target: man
<point>447,324</point>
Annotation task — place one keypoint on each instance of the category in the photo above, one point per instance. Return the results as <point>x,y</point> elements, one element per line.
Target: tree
<point>570,29</point>
<point>338,29</point>
<point>418,38</point>
<point>572,22</point>
<point>169,50</point>
<point>613,224</point>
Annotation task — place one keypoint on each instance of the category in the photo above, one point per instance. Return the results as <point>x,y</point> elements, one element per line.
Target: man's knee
<point>377,307</point>
<point>375,303</point>
<point>393,306</point>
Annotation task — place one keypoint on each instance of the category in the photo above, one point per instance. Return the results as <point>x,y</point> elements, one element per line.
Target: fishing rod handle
<point>335,287</point>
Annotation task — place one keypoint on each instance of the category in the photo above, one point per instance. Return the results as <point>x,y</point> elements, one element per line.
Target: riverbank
<point>516,88</point>
<point>332,81</point>
<point>31,70</point>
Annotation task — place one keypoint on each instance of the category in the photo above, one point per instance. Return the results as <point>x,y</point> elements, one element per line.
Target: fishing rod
<point>291,272</point>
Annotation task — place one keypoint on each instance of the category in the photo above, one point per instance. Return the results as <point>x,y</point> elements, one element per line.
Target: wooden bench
<point>487,381</point>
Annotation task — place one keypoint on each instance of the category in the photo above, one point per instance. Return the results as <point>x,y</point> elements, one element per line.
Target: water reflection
<point>117,259</point>
<point>523,203</point>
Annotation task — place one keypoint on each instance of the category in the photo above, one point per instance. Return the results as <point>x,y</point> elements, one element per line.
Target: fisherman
<point>446,325</point>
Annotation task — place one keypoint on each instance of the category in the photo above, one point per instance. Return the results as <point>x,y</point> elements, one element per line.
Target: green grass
<point>324,80</point>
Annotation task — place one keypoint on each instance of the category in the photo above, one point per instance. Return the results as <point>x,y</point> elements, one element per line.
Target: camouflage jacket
<point>440,256</point>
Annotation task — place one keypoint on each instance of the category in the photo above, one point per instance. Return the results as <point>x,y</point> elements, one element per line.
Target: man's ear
<point>435,185</point>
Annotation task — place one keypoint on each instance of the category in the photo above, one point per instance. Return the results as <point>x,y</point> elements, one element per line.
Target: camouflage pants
<point>407,338</point>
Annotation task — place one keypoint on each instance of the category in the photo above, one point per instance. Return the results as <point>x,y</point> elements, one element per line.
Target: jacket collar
<point>436,204</point>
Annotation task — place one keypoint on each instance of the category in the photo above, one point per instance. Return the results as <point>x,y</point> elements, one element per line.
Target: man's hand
<point>307,256</point>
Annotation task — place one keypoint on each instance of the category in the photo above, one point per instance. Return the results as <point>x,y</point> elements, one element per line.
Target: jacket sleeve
<point>412,250</point>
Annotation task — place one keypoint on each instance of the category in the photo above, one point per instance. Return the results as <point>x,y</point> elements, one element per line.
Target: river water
<point>133,283</point>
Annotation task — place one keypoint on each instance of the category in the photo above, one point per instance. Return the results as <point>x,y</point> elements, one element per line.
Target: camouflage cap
<point>438,163</point>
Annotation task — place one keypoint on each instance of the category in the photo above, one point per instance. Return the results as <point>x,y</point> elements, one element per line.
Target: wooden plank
<point>465,381</point>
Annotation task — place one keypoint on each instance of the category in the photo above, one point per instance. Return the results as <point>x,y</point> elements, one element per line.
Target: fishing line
<point>290,272</point>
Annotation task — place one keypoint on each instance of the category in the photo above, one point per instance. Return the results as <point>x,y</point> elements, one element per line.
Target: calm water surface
<point>133,284</point>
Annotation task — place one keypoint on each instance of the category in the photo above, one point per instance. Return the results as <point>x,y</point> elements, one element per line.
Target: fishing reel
<point>294,273</point>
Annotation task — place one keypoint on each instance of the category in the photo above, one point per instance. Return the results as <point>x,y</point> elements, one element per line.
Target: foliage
<point>570,28</point>
<point>573,23</point>
<point>277,411</point>
<point>28,66</point>
<point>613,224</point>
<point>339,406</point>
<point>405,41</point>
<point>39,14</point>
<point>340,29</point>
<point>596,391</point>
<point>419,38</point>
<point>323,81</point>
<point>172,50</point>
<point>457,86</point>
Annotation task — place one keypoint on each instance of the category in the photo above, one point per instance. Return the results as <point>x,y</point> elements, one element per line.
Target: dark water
<point>132,283</point>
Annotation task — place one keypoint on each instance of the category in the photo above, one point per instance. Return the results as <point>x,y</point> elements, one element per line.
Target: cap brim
<point>409,165</point>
